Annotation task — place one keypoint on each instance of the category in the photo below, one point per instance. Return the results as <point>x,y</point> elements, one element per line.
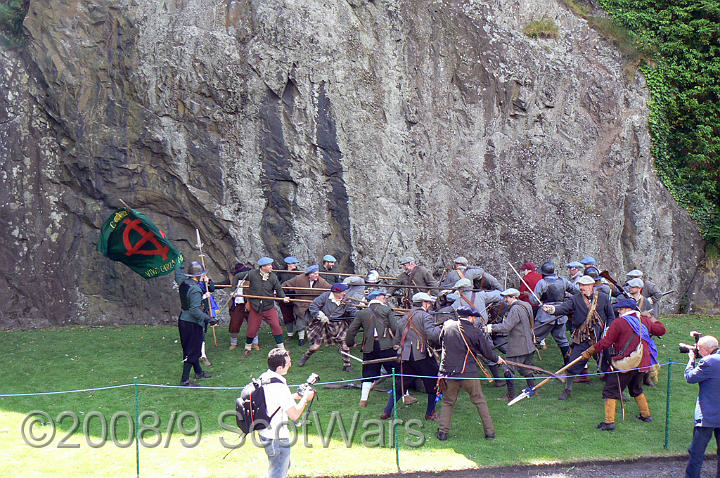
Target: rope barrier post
<point>137,428</point>
<point>667,405</point>
<point>395,430</point>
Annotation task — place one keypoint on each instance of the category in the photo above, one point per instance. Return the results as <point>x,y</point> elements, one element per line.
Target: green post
<point>667,405</point>
<point>137,428</point>
<point>395,430</point>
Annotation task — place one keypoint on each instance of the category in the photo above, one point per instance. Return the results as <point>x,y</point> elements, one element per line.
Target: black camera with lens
<point>686,348</point>
<point>307,386</point>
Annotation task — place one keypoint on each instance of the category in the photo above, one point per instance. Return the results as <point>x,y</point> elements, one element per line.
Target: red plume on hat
<point>339,287</point>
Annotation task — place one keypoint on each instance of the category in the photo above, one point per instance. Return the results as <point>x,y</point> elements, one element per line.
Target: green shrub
<point>577,8</point>
<point>544,28</point>
<point>683,40</point>
<point>12,14</point>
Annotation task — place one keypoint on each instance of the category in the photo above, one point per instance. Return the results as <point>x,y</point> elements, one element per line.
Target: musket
<point>529,392</point>
<point>526,284</point>
<point>606,275</point>
<point>207,285</point>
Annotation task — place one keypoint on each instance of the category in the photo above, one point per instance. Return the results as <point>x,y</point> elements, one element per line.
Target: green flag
<point>131,238</point>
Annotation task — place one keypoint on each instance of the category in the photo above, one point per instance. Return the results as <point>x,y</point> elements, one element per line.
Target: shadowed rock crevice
<point>337,198</point>
<point>278,187</point>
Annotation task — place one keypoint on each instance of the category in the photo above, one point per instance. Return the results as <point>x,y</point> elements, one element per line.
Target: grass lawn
<point>183,436</point>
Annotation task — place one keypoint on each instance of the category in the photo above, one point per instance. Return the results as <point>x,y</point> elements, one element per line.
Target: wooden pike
<point>333,274</point>
<point>529,392</point>
<point>273,298</point>
<point>207,283</point>
<point>305,301</point>
<point>537,369</point>
<point>367,362</point>
<point>321,289</point>
<point>425,287</point>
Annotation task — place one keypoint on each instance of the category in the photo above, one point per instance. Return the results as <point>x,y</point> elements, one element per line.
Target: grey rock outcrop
<point>365,129</point>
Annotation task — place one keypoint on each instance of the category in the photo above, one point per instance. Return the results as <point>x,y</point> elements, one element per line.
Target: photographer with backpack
<point>281,405</point>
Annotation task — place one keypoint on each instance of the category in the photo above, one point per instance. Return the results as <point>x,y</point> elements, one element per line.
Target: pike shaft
<point>332,274</point>
<point>206,280</point>
<point>558,372</point>
<point>272,298</point>
<point>526,284</point>
<point>532,367</point>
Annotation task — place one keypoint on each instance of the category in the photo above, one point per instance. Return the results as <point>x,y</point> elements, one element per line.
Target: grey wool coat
<point>517,325</point>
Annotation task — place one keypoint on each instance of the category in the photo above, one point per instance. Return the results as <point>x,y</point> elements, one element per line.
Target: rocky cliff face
<point>365,129</point>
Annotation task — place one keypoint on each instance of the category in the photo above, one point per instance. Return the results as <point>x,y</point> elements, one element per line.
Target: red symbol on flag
<point>134,225</point>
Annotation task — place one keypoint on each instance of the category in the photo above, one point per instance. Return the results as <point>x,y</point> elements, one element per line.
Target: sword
<point>529,392</point>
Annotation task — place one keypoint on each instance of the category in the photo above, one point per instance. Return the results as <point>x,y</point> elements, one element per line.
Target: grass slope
<point>536,430</point>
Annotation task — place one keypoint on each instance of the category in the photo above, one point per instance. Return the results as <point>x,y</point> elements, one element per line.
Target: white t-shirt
<point>276,395</point>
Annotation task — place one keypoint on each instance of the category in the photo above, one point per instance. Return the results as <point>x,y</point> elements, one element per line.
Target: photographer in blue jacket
<point>706,373</point>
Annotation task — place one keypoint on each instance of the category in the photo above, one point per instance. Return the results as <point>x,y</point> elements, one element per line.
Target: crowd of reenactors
<point>450,331</point>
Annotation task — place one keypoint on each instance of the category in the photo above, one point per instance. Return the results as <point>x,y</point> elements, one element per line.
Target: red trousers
<point>255,320</point>
<point>238,314</point>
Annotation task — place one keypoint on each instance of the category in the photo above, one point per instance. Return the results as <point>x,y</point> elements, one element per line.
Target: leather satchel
<point>633,360</point>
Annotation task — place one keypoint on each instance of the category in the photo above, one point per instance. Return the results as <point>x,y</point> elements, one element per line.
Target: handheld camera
<point>685,348</point>
<point>307,386</point>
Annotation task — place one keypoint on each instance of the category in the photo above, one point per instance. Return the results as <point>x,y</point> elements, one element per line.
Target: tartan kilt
<point>332,333</point>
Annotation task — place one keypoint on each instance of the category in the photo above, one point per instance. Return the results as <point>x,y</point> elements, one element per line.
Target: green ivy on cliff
<point>684,81</point>
<point>12,14</point>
